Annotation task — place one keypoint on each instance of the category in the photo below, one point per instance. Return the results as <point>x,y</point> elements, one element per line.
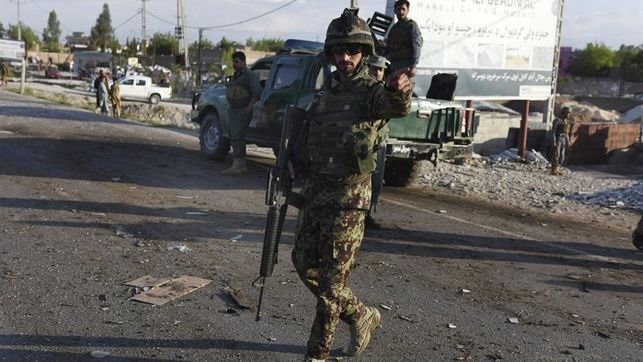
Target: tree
<point>131,47</point>
<point>265,45</point>
<point>629,60</point>
<point>3,32</point>
<point>205,45</point>
<point>102,34</point>
<point>227,48</point>
<point>162,44</point>
<point>596,60</point>
<point>51,34</point>
<point>26,33</point>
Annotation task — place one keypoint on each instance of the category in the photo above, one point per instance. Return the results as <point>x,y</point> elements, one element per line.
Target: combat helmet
<point>349,29</point>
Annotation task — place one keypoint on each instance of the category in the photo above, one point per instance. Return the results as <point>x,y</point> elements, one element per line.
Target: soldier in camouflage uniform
<point>339,144</point>
<point>561,131</point>
<point>242,93</point>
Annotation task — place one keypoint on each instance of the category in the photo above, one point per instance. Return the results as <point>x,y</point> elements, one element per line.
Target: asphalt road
<point>88,203</point>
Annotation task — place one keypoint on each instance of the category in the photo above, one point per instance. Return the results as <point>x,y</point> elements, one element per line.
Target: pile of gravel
<point>507,179</point>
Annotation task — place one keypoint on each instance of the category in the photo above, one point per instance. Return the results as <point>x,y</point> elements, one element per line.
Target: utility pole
<point>23,70</point>
<point>183,41</point>
<point>199,80</point>
<point>353,4</point>
<point>143,27</point>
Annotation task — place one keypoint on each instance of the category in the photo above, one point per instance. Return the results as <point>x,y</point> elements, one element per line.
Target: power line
<point>128,19</point>
<point>226,25</point>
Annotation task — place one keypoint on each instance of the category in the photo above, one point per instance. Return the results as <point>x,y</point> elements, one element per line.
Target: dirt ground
<point>89,203</point>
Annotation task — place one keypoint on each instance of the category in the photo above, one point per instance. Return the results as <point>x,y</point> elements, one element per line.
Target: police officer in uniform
<point>339,151</point>
<point>404,40</point>
<point>242,93</point>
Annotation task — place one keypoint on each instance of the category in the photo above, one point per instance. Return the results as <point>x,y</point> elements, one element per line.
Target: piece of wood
<point>148,281</point>
<point>171,290</point>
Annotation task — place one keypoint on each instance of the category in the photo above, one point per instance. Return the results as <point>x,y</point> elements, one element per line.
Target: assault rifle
<point>278,195</point>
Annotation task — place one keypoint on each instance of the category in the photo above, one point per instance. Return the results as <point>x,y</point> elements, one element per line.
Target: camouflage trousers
<point>326,246</point>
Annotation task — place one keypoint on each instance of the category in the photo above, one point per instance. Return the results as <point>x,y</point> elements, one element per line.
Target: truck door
<point>282,88</point>
<point>127,88</point>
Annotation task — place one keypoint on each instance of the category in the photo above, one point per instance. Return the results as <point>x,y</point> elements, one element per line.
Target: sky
<point>611,22</point>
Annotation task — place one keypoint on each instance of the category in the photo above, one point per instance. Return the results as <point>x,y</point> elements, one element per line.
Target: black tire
<point>214,146</point>
<point>155,99</point>
<point>637,235</point>
<point>399,172</point>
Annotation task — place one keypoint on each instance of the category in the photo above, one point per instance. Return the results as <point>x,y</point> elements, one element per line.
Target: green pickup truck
<point>431,131</point>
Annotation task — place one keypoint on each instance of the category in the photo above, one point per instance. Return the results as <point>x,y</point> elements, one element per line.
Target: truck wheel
<point>155,99</point>
<point>399,171</point>
<point>214,146</point>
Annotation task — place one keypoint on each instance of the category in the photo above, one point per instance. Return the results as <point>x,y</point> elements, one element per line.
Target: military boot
<point>238,168</point>
<point>361,331</point>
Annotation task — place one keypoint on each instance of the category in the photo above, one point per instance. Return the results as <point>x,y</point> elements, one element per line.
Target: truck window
<point>285,76</point>
<point>140,82</point>
<point>128,82</point>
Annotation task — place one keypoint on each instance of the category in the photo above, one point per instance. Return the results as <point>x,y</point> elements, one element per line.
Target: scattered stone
<point>513,320</point>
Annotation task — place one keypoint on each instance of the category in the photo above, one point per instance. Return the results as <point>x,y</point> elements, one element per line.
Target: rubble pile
<point>509,180</point>
<point>585,112</point>
<point>160,114</point>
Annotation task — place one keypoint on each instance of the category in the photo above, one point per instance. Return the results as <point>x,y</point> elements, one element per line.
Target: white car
<point>140,88</point>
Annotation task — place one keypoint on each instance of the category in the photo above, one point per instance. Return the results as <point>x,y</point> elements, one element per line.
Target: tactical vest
<point>341,142</point>
<point>238,93</point>
<point>564,127</point>
<point>399,41</point>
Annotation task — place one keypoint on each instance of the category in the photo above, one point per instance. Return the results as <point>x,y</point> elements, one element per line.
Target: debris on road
<point>171,290</point>
<point>180,247</point>
<point>385,307</point>
<point>452,326</point>
<point>513,320</point>
<point>465,291</point>
<point>99,354</point>
<point>237,237</point>
<point>148,281</point>
<point>242,300</point>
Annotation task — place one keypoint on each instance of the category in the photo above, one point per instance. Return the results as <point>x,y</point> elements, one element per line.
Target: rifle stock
<point>278,193</point>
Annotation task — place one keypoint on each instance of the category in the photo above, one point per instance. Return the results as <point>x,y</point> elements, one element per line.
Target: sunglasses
<point>346,49</point>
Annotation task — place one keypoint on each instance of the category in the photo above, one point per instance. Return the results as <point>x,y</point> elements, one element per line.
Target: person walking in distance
<point>376,68</point>
<point>115,98</point>
<point>339,153</point>
<point>404,41</point>
<point>561,131</point>
<point>4,73</point>
<point>242,93</point>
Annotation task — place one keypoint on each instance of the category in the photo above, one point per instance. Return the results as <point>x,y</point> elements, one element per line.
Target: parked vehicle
<point>51,72</point>
<point>140,88</point>
<point>432,129</point>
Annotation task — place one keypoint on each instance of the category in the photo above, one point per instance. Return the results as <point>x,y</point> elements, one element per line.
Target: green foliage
<point>596,60</point>
<point>3,31</point>
<point>205,45</point>
<point>26,33</point>
<point>265,45</point>
<point>102,34</point>
<point>131,48</point>
<point>162,44</point>
<point>51,34</point>
<point>227,48</point>
<point>630,63</point>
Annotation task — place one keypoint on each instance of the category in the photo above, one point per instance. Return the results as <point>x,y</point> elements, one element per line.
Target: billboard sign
<point>500,49</point>
<point>12,49</point>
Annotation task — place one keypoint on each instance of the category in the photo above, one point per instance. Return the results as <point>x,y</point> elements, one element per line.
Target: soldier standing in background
<point>377,67</point>
<point>561,131</point>
<point>4,73</point>
<point>242,93</point>
<point>115,98</point>
<point>404,41</point>
<point>339,149</point>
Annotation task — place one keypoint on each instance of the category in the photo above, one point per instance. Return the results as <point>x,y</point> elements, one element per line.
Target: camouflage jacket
<point>382,103</point>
